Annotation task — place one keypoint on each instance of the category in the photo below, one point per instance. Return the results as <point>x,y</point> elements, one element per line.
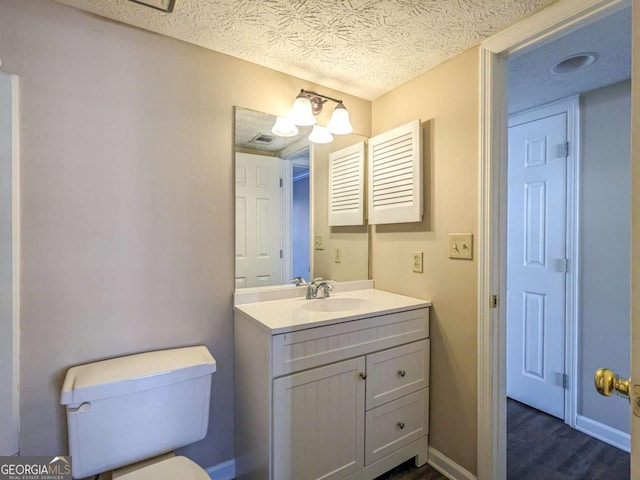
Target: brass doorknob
<point>607,383</point>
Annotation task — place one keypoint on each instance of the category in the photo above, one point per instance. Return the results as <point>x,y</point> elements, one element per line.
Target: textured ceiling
<point>532,84</point>
<point>253,131</point>
<point>361,47</point>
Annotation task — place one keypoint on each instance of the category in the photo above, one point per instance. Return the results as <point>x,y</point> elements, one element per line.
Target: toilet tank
<point>126,409</point>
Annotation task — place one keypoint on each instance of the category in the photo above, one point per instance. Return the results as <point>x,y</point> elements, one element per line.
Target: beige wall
<point>446,100</point>
<point>353,241</point>
<point>127,201</point>
<point>605,210</point>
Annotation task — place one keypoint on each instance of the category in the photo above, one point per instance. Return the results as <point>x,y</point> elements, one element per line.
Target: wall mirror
<point>281,203</point>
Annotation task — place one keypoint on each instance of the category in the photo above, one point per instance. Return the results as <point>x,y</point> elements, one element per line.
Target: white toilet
<point>129,409</point>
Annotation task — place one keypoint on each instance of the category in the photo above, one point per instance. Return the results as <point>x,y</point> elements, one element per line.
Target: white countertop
<point>290,314</point>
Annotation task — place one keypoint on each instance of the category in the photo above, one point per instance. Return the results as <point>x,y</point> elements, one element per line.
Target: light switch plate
<point>461,245</point>
<point>318,242</point>
<point>416,259</point>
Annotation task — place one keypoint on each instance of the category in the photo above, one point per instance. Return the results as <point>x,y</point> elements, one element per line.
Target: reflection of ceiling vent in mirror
<point>574,62</point>
<point>162,5</point>
<point>262,138</point>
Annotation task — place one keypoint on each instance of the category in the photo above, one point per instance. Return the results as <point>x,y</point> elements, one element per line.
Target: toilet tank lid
<point>142,371</point>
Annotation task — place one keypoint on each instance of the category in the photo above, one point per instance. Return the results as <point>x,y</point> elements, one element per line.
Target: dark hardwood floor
<point>542,447</point>
<point>408,471</point>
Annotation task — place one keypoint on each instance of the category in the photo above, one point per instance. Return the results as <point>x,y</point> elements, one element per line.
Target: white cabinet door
<point>318,422</point>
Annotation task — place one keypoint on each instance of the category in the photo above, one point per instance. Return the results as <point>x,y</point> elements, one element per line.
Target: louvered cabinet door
<point>346,186</point>
<point>395,175</point>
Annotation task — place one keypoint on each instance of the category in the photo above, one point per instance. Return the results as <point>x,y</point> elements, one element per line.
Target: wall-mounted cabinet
<point>346,186</point>
<point>394,175</point>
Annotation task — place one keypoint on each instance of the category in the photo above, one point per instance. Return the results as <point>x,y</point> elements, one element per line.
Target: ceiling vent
<point>263,138</point>
<point>162,5</point>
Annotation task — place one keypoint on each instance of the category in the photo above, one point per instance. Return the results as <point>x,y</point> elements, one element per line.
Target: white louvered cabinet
<point>394,174</point>
<point>346,186</point>
<point>346,401</point>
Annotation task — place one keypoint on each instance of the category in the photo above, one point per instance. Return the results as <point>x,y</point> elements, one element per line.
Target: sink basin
<point>334,304</point>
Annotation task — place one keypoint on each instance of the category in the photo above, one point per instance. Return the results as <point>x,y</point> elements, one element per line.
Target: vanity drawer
<point>396,372</point>
<point>313,347</point>
<point>396,424</point>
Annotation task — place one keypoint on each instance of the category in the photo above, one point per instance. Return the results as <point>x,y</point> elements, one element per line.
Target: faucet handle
<point>298,281</point>
<point>325,287</point>
<point>316,280</point>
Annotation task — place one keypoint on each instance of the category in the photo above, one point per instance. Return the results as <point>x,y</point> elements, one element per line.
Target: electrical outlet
<point>417,261</point>
<point>337,255</point>
<point>461,245</point>
<point>318,242</point>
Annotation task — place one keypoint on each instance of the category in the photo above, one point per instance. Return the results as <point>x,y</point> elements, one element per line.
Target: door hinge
<point>493,301</point>
<point>281,183</point>
<point>563,265</point>
<point>564,149</point>
<point>565,380</point>
<point>281,253</point>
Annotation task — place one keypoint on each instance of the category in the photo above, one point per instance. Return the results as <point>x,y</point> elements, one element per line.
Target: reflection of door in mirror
<point>272,218</point>
<point>9,281</point>
<point>259,250</point>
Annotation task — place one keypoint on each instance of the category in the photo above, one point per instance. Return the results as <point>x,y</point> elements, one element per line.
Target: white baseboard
<point>448,467</point>
<point>223,471</point>
<point>603,432</point>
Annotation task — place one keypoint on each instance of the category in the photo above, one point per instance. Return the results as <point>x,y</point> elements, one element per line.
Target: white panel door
<point>318,419</point>
<point>536,263</point>
<point>258,221</point>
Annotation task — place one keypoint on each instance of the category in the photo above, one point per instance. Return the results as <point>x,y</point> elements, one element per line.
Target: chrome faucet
<point>298,281</point>
<point>318,285</point>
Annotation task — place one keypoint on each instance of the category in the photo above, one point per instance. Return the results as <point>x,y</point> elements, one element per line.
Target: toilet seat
<point>171,469</point>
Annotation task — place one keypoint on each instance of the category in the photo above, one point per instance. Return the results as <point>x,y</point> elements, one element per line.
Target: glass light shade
<point>339,123</point>
<point>284,127</point>
<point>320,134</point>
<point>301,112</point>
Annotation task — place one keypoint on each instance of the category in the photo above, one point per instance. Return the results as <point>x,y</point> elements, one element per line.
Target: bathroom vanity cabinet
<point>332,395</point>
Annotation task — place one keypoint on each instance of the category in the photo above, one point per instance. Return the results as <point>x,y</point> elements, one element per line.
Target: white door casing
<point>9,266</point>
<point>635,240</point>
<point>258,221</point>
<point>548,24</point>
<point>536,262</point>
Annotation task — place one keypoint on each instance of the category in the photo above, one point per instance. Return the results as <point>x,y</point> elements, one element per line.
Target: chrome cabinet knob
<point>402,373</point>
<point>400,425</point>
<point>363,375</point>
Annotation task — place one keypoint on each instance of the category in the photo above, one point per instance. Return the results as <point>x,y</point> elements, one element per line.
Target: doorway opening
<point>300,216</point>
<point>543,30</point>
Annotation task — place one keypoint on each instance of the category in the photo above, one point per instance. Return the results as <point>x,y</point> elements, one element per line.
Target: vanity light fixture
<point>284,127</point>
<point>306,106</point>
<point>320,134</point>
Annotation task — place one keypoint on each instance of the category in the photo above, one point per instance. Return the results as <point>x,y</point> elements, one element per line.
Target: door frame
<point>547,25</point>
<point>571,107</point>
<point>11,323</point>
